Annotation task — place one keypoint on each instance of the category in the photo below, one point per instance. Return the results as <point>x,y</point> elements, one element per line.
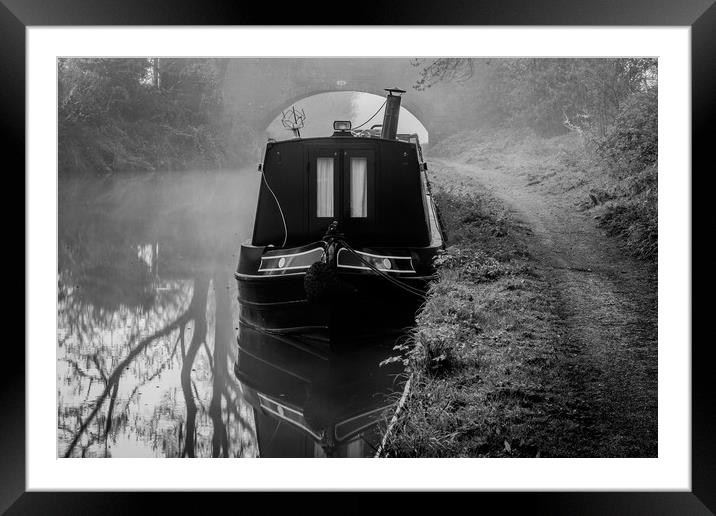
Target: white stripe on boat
<point>285,268</point>
<point>376,255</point>
<point>369,269</point>
<point>290,255</point>
<point>263,276</point>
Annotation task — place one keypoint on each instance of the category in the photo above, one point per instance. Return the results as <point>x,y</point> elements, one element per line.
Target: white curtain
<point>324,169</point>
<point>359,187</point>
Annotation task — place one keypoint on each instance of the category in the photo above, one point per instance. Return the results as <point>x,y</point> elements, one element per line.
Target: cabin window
<point>324,171</point>
<point>359,187</point>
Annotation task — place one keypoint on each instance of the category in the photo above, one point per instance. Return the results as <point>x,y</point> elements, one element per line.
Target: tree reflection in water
<point>118,387</point>
<point>144,359</point>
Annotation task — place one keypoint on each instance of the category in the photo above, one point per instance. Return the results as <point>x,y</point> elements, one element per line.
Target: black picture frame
<point>700,15</point>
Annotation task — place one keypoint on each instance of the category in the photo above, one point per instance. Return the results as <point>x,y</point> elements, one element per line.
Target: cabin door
<point>341,186</point>
<point>358,191</point>
<point>324,190</point>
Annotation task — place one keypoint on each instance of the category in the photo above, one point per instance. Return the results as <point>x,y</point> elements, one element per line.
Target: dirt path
<point>608,309</point>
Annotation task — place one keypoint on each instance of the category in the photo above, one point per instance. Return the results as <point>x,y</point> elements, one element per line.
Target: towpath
<point>608,304</point>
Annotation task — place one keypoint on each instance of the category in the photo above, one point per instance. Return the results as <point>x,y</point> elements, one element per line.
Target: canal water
<point>152,360</point>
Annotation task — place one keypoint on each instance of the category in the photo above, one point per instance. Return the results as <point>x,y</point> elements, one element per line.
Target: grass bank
<point>487,364</point>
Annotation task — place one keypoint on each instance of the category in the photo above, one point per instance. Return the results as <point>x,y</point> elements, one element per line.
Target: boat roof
<point>338,137</point>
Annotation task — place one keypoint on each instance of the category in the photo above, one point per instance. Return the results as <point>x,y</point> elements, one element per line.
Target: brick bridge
<point>259,89</point>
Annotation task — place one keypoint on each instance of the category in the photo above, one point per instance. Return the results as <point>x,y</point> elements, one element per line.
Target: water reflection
<point>312,401</point>
<point>146,339</point>
<point>147,334</point>
<point>154,382</point>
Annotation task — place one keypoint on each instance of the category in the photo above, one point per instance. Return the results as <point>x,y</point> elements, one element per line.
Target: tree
<point>549,95</point>
<point>143,114</point>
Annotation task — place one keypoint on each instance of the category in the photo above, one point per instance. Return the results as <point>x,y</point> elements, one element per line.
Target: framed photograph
<point>435,238</point>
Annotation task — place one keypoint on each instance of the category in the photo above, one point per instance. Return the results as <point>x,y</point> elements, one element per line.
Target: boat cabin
<point>373,188</point>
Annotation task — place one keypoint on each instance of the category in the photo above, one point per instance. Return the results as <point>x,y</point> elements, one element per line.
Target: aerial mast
<point>294,120</point>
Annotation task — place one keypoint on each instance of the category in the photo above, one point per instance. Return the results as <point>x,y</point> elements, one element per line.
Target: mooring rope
<point>285,229</point>
<point>407,288</point>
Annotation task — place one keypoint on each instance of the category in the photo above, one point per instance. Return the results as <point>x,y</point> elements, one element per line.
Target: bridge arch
<point>259,88</point>
<point>280,105</point>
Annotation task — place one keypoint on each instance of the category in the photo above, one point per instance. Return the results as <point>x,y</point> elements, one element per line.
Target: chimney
<point>392,113</point>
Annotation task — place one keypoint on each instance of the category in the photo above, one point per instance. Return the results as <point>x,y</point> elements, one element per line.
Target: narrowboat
<point>346,231</point>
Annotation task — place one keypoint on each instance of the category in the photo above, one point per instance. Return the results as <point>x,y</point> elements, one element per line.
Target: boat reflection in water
<point>314,398</point>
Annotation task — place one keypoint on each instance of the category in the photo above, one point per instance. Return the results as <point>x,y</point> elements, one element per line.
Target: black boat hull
<point>281,304</point>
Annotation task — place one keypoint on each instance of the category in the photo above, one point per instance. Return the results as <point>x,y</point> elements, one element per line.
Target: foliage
<point>443,69</point>
<point>550,96</point>
<point>143,114</point>
<point>631,145</point>
<point>633,214</point>
<point>629,152</point>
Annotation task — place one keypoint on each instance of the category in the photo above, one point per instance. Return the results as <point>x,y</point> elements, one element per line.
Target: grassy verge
<point>495,369</point>
<point>486,356</point>
<point>622,199</point>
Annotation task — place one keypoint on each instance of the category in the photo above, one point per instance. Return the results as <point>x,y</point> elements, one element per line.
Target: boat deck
<point>436,237</point>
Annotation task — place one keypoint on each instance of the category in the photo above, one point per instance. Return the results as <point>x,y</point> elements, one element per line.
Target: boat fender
<point>322,283</point>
